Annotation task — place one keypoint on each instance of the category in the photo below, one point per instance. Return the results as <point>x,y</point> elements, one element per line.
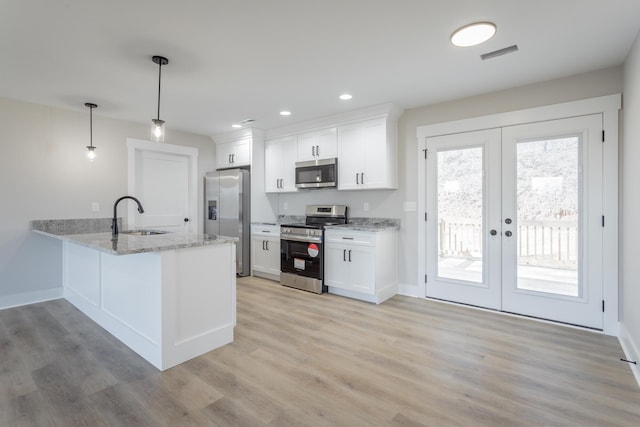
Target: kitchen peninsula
<point>169,297</point>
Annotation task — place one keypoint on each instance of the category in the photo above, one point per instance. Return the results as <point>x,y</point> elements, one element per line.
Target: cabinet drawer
<point>265,230</point>
<point>350,237</point>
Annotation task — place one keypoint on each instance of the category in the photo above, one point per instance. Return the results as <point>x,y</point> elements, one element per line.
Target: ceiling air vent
<point>499,52</point>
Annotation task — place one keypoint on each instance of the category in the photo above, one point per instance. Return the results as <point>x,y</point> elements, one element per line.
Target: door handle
<point>493,232</point>
<point>266,243</point>
<point>357,178</point>
<point>507,221</point>
<point>263,245</point>
<point>318,150</point>
<point>362,178</point>
<point>186,220</point>
<point>344,255</point>
<point>233,158</point>
<point>313,151</point>
<point>229,158</point>
<point>508,233</point>
<point>349,255</point>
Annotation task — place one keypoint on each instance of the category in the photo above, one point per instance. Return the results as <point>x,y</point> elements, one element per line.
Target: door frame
<point>609,107</point>
<point>137,146</point>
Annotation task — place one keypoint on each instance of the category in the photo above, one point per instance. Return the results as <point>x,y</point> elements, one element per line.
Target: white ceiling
<point>231,60</point>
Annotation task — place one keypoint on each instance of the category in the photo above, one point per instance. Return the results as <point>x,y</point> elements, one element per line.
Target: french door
<point>514,219</point>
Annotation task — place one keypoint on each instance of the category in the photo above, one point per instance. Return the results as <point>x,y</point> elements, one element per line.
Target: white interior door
<point>515,219</point>
<point>162,177</point>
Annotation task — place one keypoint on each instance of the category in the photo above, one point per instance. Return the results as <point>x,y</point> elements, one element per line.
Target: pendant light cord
<point>159,82</point>
<point>91,126</point>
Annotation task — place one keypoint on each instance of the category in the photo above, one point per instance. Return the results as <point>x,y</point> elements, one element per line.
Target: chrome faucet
<point>114,221</point>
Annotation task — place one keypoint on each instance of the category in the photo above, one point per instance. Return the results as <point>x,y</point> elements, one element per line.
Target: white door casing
<point>608,107</point>
<point>164,178</point>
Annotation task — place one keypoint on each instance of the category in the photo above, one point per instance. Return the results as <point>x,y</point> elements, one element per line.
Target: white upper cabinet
<point>367,154</point>
<point>321,144</point>
<point>280,157</point>
<point>233,154</point>
<point>364,141</point>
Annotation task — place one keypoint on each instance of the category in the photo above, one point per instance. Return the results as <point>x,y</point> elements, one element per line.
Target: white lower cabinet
<point>361,264</point>
<point>265,251</point>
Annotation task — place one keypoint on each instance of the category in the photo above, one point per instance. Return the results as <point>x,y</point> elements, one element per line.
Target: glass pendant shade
<point>157,125</point>
<point>157,130</point>
<point>91,153</point>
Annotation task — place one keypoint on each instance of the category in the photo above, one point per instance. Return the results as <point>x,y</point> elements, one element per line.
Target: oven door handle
<point>301,239</point>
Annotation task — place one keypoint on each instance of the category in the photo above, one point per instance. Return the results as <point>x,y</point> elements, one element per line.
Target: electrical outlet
<point>365,207</point>
<point>95,207</point>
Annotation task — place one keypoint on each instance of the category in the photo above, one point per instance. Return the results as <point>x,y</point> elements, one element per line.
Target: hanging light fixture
<point>91,154</point>
<point>157,125</point>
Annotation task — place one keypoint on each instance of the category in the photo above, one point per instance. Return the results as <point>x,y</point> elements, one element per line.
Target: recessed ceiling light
<point>473,34</point>
<point>236,125</point>
<point>285,113</point>
<point>345,96</point>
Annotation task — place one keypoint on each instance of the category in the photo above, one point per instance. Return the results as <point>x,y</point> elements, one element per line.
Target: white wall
<point>45,174</point>
<point>572,88</point>
<point>389,203</point>
<point>630,201</point>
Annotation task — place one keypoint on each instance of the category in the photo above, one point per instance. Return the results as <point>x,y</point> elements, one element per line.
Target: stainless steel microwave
<point>317,173</point>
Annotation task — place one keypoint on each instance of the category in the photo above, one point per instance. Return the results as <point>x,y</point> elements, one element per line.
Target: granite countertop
<point>368,224</point>
<point>283,219</point>
<point>124,244</point>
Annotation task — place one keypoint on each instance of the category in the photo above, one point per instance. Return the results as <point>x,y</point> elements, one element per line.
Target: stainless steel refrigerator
<point>228,211</point>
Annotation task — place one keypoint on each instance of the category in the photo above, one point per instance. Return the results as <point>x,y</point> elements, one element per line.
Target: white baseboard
<point>409,290</point>
<point>631,352</point>
<point>33,297</point>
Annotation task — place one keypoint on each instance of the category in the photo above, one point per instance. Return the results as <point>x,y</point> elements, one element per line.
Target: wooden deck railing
<point>539,242</point>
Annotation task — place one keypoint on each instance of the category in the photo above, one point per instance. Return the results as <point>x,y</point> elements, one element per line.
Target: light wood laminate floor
<point>301,359</point>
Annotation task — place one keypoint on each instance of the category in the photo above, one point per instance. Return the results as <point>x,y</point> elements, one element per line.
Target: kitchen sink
<point>143,232</point>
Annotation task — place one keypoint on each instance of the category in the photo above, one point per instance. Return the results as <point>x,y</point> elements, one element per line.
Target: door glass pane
<point>548,194</point>
<point>460,208</point>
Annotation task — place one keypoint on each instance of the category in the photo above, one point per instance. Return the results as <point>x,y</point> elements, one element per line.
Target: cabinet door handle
<point>318,150</point>
<point>357,178</point>
<point>263,245</point>
<point>362,178</point>
<point>347,238</point>
<point>313,151</point>
<point>229,159</point>
<point>349,255</point>
<point>266,243</point>
<point>344,255</point>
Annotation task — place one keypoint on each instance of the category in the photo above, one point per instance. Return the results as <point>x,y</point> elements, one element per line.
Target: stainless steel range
<point>302,247</point>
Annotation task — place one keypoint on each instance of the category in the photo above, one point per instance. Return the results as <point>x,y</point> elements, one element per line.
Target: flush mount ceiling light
<point>236,125</point>
<point>285,113</point>
<point>473,34</point>
<point>91,154</point>
<point>157,125</point>
<point>345,96</point>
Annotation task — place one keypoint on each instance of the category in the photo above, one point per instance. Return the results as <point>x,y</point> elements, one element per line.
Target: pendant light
<point>157,125</point>
<point>91,154</point>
